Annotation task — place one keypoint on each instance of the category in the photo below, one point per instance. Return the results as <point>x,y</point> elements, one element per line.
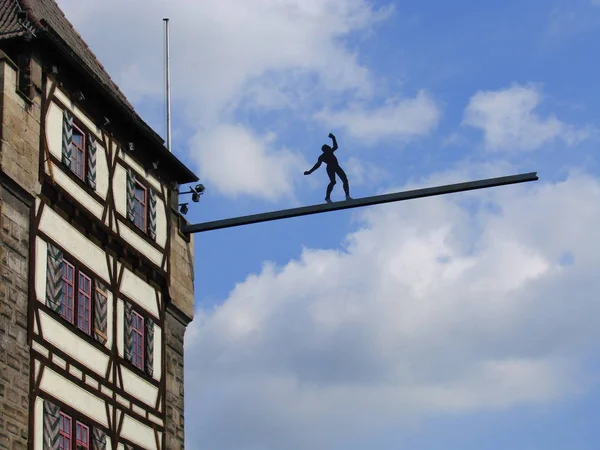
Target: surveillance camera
<point>183,208</point>
<point>200,189</point>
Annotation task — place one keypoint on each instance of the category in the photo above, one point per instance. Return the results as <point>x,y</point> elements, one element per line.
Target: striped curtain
<point>149,347</point>
<point>131,195</point>
<point>100,313</point>
<point>67,138</point>
<point>152,214</point>
<point>128,331</point>
<point>51,426</point>
<point>91,161</point>
<point>54,284</point>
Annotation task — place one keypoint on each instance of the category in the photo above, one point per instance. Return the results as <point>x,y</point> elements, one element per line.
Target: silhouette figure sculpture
<point>333,168</point>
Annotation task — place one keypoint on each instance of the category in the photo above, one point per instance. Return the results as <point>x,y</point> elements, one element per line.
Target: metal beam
<point>356,203</point>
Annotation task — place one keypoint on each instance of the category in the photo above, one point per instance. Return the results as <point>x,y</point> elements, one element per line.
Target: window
<point>82,436</point>
<point>140,202</point>
<point>78,153</point>
<point>64,436</point>
<point>66,433</point>
<point>75,281</point>
<point>66,307</point>
<point>137,350</point>
<point>84,302</point>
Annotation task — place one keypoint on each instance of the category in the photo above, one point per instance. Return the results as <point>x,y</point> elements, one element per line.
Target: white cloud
<point>509,122</point>
<point>444,305</point>
<point>231,57</point>
<point>220,47</point>
<point>363,172</point>
<point>402,119</point>
<point>235,160</point>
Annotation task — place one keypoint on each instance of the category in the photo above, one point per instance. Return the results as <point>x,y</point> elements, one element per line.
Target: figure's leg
<point>344,179</point>
<point>331,174</point>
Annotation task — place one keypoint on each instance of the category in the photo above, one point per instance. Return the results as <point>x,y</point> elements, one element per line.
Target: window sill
<point>73,177</point>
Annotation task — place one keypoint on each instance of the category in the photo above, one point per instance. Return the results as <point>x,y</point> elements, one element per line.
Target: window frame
<point>65,434</point>
<point>89,295</point>
<point>75,299</point>
<point>70,434</point>
<point>83,149</point>
<point>65,292</point>
<point>141,207</point>
<point>136,354</point>
<point>78,443</point>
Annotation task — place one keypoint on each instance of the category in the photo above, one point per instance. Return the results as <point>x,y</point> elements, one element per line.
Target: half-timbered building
<point>97,280</point>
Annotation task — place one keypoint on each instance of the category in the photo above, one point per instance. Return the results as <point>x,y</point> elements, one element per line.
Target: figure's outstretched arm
<point>315,167</point>
<point>335,146</point>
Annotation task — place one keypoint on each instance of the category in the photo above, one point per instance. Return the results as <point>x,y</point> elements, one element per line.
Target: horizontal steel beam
<point>356,203</point>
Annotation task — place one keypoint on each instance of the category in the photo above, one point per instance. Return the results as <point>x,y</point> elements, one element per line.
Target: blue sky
<point>461,322</point>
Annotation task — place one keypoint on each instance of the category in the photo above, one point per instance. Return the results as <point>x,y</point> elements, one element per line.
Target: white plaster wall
<point>54,130</point>
<point>58,334</point>
<point>106,390</point>
<point>157,352</point>
<point>42,351</point>
<point>83,118</point>
<point>139,387</point>
<point>140,171</point>
<point>120,189</point>
<point>49,85</point>
<point>37,364</point>
<point>138,433</point>
<point>120,326</point>
<point>140,244</point>
<point>54,118</point>
<point>140,292</point>
<point>120,194</point>
<point>74,396</point>
<point>41,267</point>
<point>102,179</point>
<point>161,223</point>
<point>74,242</point>
<point>85,199</point>
<point>38,427</point>
<point>155,419</point>
<point>76,372</point>
<point>93,383</point>
<point>115,150</point>
<point>109,313</point>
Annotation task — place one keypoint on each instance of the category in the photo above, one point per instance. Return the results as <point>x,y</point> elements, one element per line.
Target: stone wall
<point>174,425</point>
<point>19,182</point>
<point>20,132</point>
<point>180,313</point>
<point>181,282</point>
<point>14,349</point>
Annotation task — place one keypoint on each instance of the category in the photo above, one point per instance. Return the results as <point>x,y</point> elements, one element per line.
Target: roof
<point>46,17</point>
